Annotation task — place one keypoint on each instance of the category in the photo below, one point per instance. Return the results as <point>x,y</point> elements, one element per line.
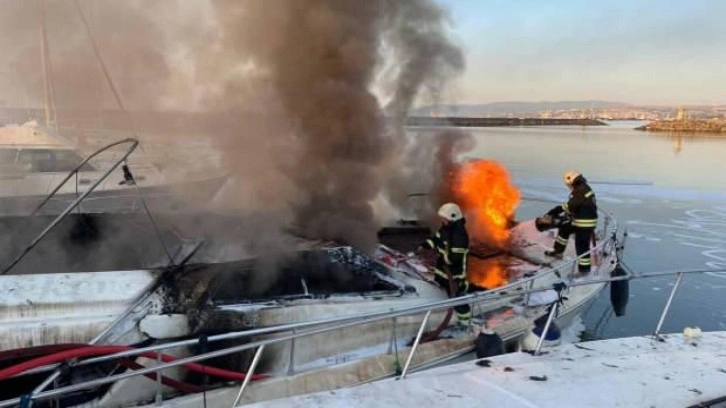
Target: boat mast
<point>50,115</point>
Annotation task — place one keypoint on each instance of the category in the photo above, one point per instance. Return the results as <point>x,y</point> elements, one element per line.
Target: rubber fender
<point>619,292</point>
<point>530,340</point>
<point>553,333</point>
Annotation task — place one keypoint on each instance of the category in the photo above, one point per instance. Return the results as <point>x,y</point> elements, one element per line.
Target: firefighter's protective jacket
<point>452,244</point>
<point>581,206</point>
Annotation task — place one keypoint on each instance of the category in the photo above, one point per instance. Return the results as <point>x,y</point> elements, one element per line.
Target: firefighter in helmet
<point>582,210</point>
<point>451,242</point>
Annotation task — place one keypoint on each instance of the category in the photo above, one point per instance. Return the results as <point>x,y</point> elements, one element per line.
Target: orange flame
<point>488,276</point>
<point>483,190</point>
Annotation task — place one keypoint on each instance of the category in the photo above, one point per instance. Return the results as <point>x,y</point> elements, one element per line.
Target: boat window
<point>8,156</point>
<point>67,160</point>
<point>8,168</point>
<point>241,281</point>
<point>310,273</point>
<point>50,161</point>
<point>35,161</point>
<point>342,270</point>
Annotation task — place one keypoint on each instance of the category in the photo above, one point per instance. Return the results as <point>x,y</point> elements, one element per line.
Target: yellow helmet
<point>570,177</point>
<point>451,212</point>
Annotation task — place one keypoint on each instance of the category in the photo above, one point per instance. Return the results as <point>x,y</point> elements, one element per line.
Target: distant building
<point>681,115</point>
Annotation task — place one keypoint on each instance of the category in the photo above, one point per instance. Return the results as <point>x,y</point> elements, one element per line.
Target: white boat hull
<point>332,360</point>
<point>365,353</point>
<point>115,199</point>
<point>365,365</point>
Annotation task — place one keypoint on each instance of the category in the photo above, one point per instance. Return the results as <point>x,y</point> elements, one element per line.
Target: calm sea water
<point>668,191</point>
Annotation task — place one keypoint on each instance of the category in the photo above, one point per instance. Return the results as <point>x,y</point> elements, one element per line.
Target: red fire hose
<point>434,334</point>
<point>90,351</point>
<point>28,352</point>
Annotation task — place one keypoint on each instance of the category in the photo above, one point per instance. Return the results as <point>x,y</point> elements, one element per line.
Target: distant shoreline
<point>497,122</point>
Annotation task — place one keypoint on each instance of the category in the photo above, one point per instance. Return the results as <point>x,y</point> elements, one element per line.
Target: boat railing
<point>607,243</point>
<point>500,292</point>
<point>328,326</point>
<point>133,144</point>
<point>261,344</point>
<point>74,172</point>
<point>291,332</point>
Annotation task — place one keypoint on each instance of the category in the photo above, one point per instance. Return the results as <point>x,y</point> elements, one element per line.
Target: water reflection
<point>617,152</point>
<point>678,138</point>
<point>677,141</point>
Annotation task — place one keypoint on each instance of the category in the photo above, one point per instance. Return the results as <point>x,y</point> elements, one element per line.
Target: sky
<point>633,51</point>
<point>647,52</point>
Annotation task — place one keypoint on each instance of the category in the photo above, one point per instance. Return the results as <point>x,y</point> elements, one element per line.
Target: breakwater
<point>688,126</point>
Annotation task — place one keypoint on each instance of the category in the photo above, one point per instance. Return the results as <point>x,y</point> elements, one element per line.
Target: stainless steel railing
<point>259,345</point>
<point>492,294</point>
<point>134,143</point>
<point>610,239</point>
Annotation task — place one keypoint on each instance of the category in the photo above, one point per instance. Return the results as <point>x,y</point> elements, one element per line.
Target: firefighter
<point>582,210</point>
<point>451,242</point>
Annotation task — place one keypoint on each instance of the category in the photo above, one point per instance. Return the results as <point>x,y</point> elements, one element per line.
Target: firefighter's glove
<point>554,211</point>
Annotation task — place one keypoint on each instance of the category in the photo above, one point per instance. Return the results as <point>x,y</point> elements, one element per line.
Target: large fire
<point>488,276</point>
<point>483,190</point>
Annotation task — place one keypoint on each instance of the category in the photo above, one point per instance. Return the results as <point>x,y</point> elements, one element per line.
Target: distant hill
<point>515,107</point>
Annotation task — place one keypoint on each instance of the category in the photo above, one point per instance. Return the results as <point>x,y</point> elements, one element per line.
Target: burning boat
<point>223,310</point>
<point>325,317</point>
<point>355,314</point>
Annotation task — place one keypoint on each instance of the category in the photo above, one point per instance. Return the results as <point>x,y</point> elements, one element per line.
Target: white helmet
<point>570,177</point>
<point>451,212</point>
